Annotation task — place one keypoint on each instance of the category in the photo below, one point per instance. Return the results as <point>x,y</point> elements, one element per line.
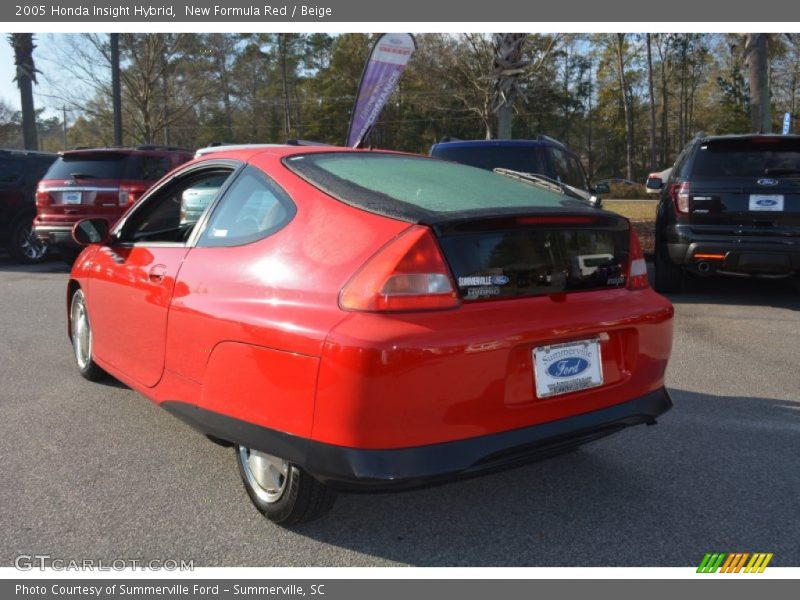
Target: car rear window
<point>490,157</point>
<point>747,158</point>
<point>411,187</point>
<point>109,165</point>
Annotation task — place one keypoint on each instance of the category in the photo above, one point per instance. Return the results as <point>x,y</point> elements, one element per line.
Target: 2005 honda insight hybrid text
<point>369,320</point>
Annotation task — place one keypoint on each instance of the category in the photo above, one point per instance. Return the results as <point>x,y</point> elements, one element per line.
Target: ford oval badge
<point>766,202</point>
<point>499,280</point>
<point>568,367</point>
<point>767,181</point>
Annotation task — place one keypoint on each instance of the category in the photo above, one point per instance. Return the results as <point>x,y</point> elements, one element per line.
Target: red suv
<point>97,182</point>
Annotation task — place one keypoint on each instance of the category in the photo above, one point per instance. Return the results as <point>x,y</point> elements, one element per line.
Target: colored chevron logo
<point>738,562</point>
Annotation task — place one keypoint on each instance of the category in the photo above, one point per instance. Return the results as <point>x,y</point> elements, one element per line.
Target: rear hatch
<point>101,183</point>
<point>745,185</point>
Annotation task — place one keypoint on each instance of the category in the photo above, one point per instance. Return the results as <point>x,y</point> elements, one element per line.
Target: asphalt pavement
<point>97,471</point>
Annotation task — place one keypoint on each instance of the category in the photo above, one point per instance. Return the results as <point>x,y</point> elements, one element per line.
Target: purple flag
<point>379,79</point>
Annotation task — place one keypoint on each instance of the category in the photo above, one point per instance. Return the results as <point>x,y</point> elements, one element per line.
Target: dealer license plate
<point>71,198</point>
<point>766,202</point>
<point>564,368</point>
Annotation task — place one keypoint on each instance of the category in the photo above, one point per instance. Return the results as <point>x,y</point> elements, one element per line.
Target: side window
<point>567,169</point>
<point>171,214</point>
<point>252,208</point>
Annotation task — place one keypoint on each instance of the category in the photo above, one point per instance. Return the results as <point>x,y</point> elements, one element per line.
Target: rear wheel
<point>81,334</point>
<point>282,491</point>
<point>668,276</point>
<point>24,246</point>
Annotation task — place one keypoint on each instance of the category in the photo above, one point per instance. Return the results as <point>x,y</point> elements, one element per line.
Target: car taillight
<point>637,268</point>
<point>130,194</point>
<point>408,274</point>
<point>679,192</point>
<point>42,197</point>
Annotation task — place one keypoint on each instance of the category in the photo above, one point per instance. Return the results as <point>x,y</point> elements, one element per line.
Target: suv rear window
<point>109,165</point>
<point>746,158</point>
<point>411,187</point>
<point>516,158</point>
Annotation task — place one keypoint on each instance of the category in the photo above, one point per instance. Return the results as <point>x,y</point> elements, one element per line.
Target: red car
<point>96,182</point>
<point>356,319</point>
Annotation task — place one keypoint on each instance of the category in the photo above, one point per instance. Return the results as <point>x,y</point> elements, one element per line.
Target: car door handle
<point>157,273</point>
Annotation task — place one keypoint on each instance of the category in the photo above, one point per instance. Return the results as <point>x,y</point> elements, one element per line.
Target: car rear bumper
<point>402,468</point>
<point>56,235</point>
<point>749,254</point>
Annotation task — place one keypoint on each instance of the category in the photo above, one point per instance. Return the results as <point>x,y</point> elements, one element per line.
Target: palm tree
<point>26,76</point>
<point>508,66</point>
<point>756,51</point>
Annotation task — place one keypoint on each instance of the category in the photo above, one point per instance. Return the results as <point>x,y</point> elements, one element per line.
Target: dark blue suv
<point>541,156</point>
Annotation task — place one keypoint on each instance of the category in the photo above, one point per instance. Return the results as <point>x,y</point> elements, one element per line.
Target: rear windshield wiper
<point>782,171</point>
<point>81,175</point>
<point>547,183</point>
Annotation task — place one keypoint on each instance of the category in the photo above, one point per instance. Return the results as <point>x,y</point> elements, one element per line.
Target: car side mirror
<point>655,183</point>
<point>595,201</point>
<point>91,231</point>
<point>602,188</point>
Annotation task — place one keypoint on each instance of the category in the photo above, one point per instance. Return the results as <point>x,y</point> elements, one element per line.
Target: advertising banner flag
<point>379,79</point>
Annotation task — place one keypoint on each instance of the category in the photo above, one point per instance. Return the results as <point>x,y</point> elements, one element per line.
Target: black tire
<point>23,245</point>
<point>668,276</point>
<point>81,338</point>
<point>298,499</point>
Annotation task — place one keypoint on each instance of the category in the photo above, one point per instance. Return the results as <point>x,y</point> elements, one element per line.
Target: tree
<point>756,51</point>
<point>626,103</point>
<point>651,96</point>
<point>26,76</point>
<point>509,64</point>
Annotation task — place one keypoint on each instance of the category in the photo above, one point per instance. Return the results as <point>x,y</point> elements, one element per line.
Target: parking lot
<point>97,471</point>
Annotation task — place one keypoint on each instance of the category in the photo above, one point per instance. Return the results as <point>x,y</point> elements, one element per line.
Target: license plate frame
<point>766,203</point>
<point>71,197</point>
<point>558,368</point>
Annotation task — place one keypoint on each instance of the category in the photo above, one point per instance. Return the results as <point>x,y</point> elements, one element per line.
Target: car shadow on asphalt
<point>778,293</point>
<point>51,264</point>
<point>716,473</point>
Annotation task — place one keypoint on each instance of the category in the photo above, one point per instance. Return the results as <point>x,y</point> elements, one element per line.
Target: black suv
<point>541,156</point>
<point>730,206</point>
<point>20,171</point>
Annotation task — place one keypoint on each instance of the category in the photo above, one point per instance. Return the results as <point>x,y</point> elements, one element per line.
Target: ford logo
<point>499,280</point>
<point>568,367</point>
<point>767,182</point>
<point>766,202</point>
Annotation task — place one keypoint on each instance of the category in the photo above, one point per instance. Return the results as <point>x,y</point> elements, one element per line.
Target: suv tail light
<point>679,192</point>
<point>408,274</point>
<point>42,197</point>
<point>128,194</point>
<point>637,267</point>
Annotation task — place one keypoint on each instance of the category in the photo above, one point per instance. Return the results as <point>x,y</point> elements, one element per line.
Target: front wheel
<point>81,335</point>
<point>280,490</point>
<point>24,246</point>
